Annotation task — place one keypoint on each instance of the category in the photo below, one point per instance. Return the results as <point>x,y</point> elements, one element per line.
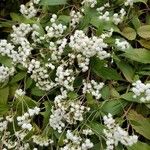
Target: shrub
<point>74,75</point>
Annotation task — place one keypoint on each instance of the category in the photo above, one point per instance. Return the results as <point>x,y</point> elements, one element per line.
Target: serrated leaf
<point>129,33</point>
<point>126,69</point>
<point>106,73</point>
<point>46,113</point>
<point>139,146</point>
<point>53,2</point>
<point>144,31</point>
<point>139,123</point>
<point>129,97</point>
<point>145,43</point>
<point>21,19</point>
<point>3,109</point>
<point>4,93</point>
<point>19,76</point>
<point>142,1</point>
<point>96,127</point>
<point>37,92</point>
<point>139,55</point>
<point>113,106</point>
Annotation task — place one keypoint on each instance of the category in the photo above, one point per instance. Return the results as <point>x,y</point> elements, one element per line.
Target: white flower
<point>93,87</point>
<point>19,93</point>
<point>141,90</point>
<point>29,11</point>
<point>91,3</point>
<point>75,18</point>
<point>128,3</point>
<point>41,140</point>
<point>5,73</point>
<point>115,134</point>
<point>122,45</point>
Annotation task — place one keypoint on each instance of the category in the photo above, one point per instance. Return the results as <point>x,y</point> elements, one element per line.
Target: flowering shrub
<point>74,75</point>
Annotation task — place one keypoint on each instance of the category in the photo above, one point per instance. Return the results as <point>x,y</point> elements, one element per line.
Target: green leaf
<point>19,76</point>
<point>29,82</point>
<point>3,109</point>
<point>53,2</point>
<point>37,92</point>
<point>144,31</point>
<point>6,61</point>
<point>139,146</point>
<point>107,73</point>
<point>139,123</point>
<point>145,43</point>
<point>129,97</point>
<point>96,127</point>
<point>113,106</point>
<point>65,19</point>
<point>139,55</point>
<point>4,93</point>
<point>21,19</point>
<point>129,33</point>
<point>126,69</point>
<point>142,1</point>
<point>46,113</point>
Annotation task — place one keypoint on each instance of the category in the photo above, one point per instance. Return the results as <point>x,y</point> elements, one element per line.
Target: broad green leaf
<point>126,69</point>
<point>96,127</point>
<point>4,93</point>
<point>46,113</point>
<point>107,73</point>
<point>65,19</point>
<point>136,22</point>
<point>91,101</point>
<point>113,106</point>
<point>144,31</point>
<point>53,2</point>
<point>37,92</point>
<point>6,61</point>
<point>19,76</point>
<point>129,97</point>
<point>142,1</point>
<point>139,55</point>
<point>140,124</point>
<point>145,43</point>
<point>28,83</point>
<point>139,146</point>
<point>3,109</point>
<point>105,92</point>
<point>21,19</point>
<point>129,33</point>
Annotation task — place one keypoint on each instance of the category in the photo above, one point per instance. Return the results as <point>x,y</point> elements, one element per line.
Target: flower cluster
<point>5,73</point>
<point>90,3</point>
<point>75,18</point>
<point>25,119</point>
<point>42,141</point>
<point>122,45</point>
<point>66,112</point>
<point>93,88</point>
<point>141,91</point>
<point>19,93</point>
<point>29,10</point>
<point>40,75</point>
<point>129,3</point>
<point>88,47</point>
<point>115,134</point>
<point>3,124</point>
<point>75,141</point>
<point>65,77</point>
<point>55,30</point>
